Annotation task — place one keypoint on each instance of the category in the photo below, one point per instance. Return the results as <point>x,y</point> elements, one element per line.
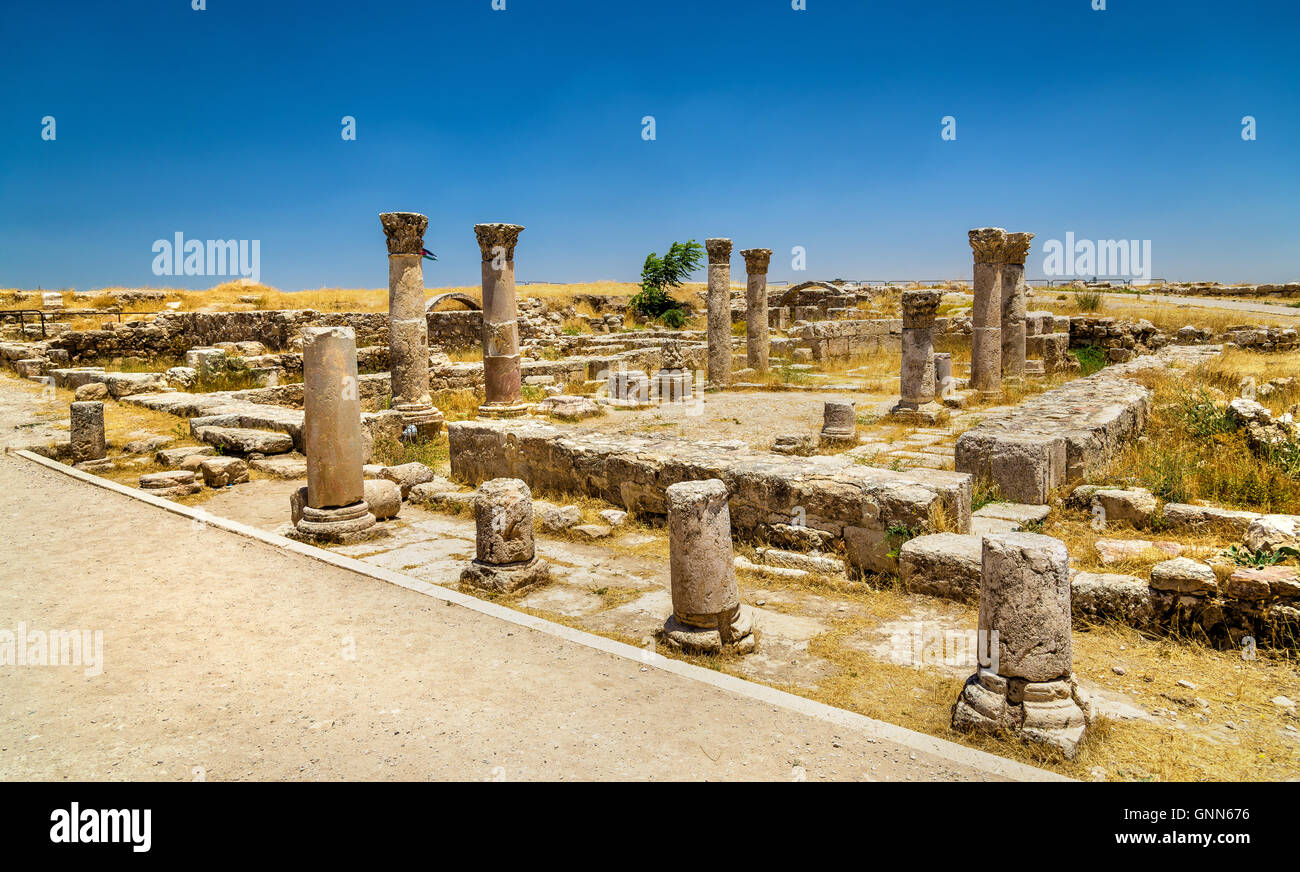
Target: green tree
<point>660,275</point>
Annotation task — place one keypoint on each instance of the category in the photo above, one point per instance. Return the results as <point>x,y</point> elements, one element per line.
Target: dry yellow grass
<point>1169,317</point>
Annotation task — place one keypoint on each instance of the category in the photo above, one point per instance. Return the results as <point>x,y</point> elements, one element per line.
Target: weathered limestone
<point>988,244</point>
<point>1014,293</point>
<point>336,509</point>
<point>839,423</point>
<point>383,497</point>
<point>1025,681</point>
<point>941,564</point>
<point>756,336</point>
<point>408,327</point>
<point>223,471</point>
<point>817,501</point>
<point>707,613</point>
<point>501,366</point>
<point>177,483</point>
<point>673,381</point>
<point>917,374</point>
<point>506,558</point>
<point>942,372</point>
<point>87,421</point>
<point>719,312</point>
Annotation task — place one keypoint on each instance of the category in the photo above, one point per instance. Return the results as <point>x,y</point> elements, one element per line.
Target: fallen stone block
<point>286,466</point>
<point>147,445</point>
<point>1119,550</point>
<point>1272,532</point>
<point>569,408</point>
<point>593,531</point>
<point>813,563</point>
<point>223,471</point>
<point>556,519</point>
<point>408,475</point>
<point>174,456</point>
<point>1134,505</point>
<point>245,441</point>
<point>942,564</point>
<point>1182,515</point>
<point>1021,513</point>
<point>1184,576</point>
<point>1107,596</point>
<point>384,498</point>
<point>177,483</point>
<point>90,392</point>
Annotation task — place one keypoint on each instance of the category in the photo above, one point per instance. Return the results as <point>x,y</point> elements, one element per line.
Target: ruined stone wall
<point>828,499</point>
<point>1214,289</point>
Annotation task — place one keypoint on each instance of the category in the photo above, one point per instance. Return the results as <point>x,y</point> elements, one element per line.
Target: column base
<point>927,414</point>
<point>426,420</point>
<point>505,577</point>
<point>834,437</point>
<point>504,410</point>
<point>343,525</point>
<point>1045,712</point>
<point>708,640</point>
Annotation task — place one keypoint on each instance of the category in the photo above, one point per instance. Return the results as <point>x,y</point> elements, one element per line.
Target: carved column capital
<point>1017,248</point>
<point>988,243</point>
<point>493,236</point>
<point>919,307</point>
<point>405,231</point>
<point>757,260</point>
<point>719,250</point>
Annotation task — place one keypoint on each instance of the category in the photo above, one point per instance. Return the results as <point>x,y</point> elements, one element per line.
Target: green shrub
<point>1092,358</point>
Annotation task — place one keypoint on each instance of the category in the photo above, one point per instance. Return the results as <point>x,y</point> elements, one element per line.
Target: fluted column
<point>987,243</point>
<point>1014,293</point>
<point>719,315</point>
<point>756,337</point>
<point>408,327</point>
<point>501,367</point>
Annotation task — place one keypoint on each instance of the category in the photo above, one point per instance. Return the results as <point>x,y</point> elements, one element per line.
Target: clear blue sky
<point>775,127</point>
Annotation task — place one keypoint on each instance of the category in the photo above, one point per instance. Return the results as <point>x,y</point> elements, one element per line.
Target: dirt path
<point>227,658</point>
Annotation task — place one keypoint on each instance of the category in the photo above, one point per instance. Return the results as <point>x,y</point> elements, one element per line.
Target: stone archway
<point>464,299</point>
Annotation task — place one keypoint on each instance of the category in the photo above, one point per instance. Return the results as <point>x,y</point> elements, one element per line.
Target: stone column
<point>87,425</point>
<point>707,613</point>
<point>506,558</point>
<point>501,368</point>
<point>942,370</point>
<point>917,378</point>
<point>839,423</point>
<point>987,243</point>
<point>719,316</point>
<point>756,338</point>
<point>1025,681</point>
<point>1014,296</point>
<point>336,510</point>
<point>408,328</point>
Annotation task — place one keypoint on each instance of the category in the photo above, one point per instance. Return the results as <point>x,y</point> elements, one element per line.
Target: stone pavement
<point>228,658</point>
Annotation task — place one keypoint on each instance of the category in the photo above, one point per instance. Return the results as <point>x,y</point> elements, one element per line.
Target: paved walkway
<point>1283,309</point>
<point>225,657</point>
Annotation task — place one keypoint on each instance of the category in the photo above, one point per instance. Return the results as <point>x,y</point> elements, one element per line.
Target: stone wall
<point>826,501</point>
<point>1214,289</point>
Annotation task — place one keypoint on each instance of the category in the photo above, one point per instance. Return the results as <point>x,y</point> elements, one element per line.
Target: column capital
<point>405,231</point>
<point>988,244</point>
<point>919,307</point>
<point>1017,248</point>
<point>756,260</point>
<point>719,250</point>
<point>493,236</point>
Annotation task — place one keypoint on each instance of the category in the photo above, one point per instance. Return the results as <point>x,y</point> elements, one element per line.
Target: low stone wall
<point>829,340</point>
<point>1053,438</point>
<point>1263,338</point>
<point>172,333</point>
<point>1214,289</point>
<point>819,501</point>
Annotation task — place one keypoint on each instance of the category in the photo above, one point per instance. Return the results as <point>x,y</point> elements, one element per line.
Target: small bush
<point>1092,359</point>
<point>674,318</point>
<point>1089,301</point>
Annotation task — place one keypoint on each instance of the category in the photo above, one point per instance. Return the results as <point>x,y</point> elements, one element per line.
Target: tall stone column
<point>916,378</point>
<point>501,369</point>
<point>707,613</point>
<point>987,243</point>
<point>1014,298</point>
<point>719,315</point>
<point>756,338</point>
<point>408,327</point>
<point>336,509</point>
<point>506,557</point>
<point>1025,681</point>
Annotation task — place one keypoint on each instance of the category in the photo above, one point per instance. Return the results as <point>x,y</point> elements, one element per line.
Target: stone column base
<point>341,526</point>
<point>709,640</point>
<point>505,577</point>
<point>673,385</point>
<point>1047,712</point>
<point>918,413</point>
<point>839,437</point>
<point>427,420</point>
<point>503,410</point>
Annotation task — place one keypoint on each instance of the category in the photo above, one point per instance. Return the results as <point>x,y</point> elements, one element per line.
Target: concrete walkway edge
<point>957,754</point>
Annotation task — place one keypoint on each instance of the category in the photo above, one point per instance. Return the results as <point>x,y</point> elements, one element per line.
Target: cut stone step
<point>245,441</point>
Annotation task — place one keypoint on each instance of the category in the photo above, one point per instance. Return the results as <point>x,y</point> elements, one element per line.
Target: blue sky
<point>818,128</point>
